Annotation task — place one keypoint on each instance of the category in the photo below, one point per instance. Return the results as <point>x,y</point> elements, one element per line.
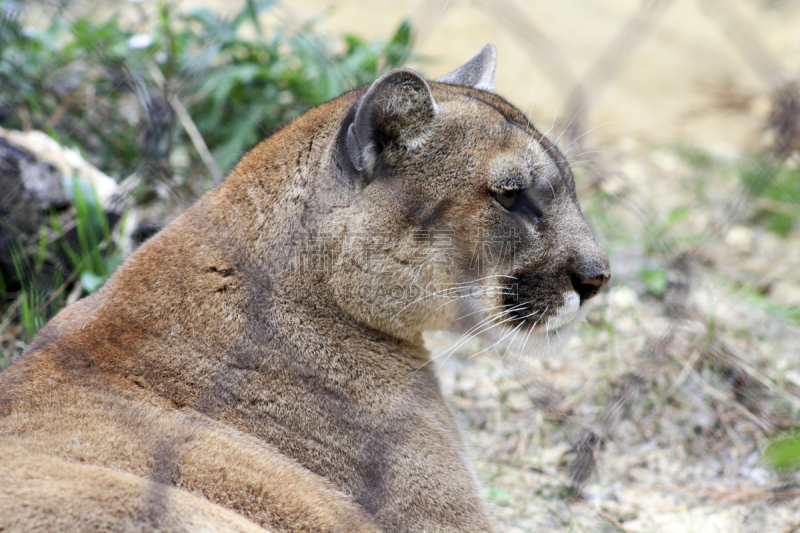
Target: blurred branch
<point>741,34</point>
<point>549,56</point>
<point>188,124</point>
<point>540,48</point>
<point>628,39</point>
<point>428,18</point>
<point>614,58</point>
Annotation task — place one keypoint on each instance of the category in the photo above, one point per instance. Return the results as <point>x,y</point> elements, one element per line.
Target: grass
<point>776,190</point>
<point>711,366</point>
<point>64,263</point>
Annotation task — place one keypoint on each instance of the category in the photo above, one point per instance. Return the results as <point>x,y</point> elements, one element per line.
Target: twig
<point>72,277</point>
<point>56,117</point>
<point>188,124</point>
<point>74,294</point>
<point>611,520</point>
<point>196,137</point>
<point>426,20</point>
<point>792,529</point>
<point>540,48</point>
<point>685,371</point>
<point>52,237</point>
<point>613,59</point>
<point>764,425</point>
<point>766,381</point>
<point>723,419</point>
<point>769,204</point>
<point>726,494</point>
<point>12,309</point>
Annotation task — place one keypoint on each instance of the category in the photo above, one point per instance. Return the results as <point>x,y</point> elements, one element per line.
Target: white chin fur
<point>567,313</point>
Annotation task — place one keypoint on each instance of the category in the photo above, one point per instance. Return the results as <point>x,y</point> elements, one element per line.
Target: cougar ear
<point>391,118</point>
<point>478,73</point>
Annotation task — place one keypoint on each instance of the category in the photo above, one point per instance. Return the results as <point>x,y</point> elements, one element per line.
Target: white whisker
<point>479,328</point>
<point>574,116</point>
<point>525,340</point>
<point>497,342</point>
<point>590,131</point>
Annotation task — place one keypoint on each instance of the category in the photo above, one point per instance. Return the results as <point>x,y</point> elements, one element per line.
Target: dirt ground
<point>657,414</point>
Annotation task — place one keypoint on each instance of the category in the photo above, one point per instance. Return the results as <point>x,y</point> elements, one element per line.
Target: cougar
<point>259,363</point>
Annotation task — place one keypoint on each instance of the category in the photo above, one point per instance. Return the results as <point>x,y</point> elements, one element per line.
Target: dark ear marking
<point>478,73</point>
<point>395,114</point>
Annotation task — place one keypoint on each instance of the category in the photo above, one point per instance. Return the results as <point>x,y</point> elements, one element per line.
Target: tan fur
<point>250,367</point>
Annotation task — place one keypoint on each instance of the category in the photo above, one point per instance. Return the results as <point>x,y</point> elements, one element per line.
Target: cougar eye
<point>506,198</point>
<point>519,202</point>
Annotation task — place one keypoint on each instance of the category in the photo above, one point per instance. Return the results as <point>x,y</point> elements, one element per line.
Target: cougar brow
<point>512,172</point>
<point>517,119</point>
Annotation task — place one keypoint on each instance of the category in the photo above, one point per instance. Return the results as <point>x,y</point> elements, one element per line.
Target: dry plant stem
<point>25,117</point>
<point>766,381</point>
<point>766,426</point>
<point>611,61</point>
<point>196,137</point>
<point>725,495</point>
<point>51,238</point>
<point>11,312</point>
<point>550,57</point>
<point>428,18</point>
<point>188,124</point>
<point>59,113</point>
<point>71,278</point>
<point>726,425</point>
<point>769,382</point>
<point>792,529</point>
<point>768,204</point>
<point>611,520</point>
<point>685,372</point>
<point>75,294</point>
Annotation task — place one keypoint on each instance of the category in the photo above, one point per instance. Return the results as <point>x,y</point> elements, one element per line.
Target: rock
<point>32,171</point>
<point>740,239</point>
<point>44,150</point>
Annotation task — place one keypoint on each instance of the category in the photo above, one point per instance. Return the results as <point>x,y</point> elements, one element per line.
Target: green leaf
<point>497,494</point>
<point>783,451</point>
<point>654,279</point>
<point>399,47</point>
<point>677,214</point>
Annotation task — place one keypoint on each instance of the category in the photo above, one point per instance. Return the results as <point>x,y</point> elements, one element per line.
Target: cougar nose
<point>590,287</point>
